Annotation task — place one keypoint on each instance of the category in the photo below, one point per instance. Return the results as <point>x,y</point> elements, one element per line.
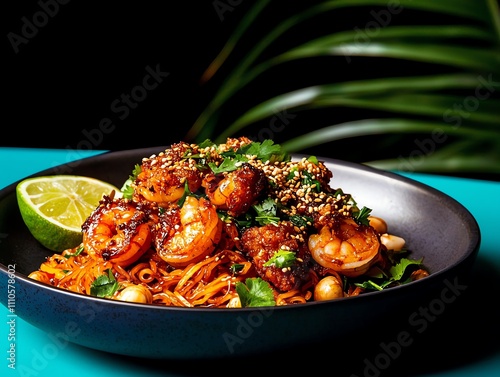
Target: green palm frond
<point>461,97</point>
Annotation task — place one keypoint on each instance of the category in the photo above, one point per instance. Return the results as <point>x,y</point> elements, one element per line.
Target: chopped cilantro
<point>397,273</point>
<point>313,159</point>
<point>187,192</point>
<point>398,270</point>
<point>77,252</point>
<point>266,212</point>
<point>265,151</point>
<point>309,181</point>
<point>301,221</point>
<point>361,216</point>
<point>236,267</point>
<point>255,292</point>
<point>281,259</point>
<point>206,143</point>
<point>105,285</point>
<point>228,164</point>
<point>127,190</point>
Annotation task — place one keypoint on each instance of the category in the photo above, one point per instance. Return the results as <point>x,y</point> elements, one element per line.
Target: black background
<point>60,83</point>
<point>65,78</point>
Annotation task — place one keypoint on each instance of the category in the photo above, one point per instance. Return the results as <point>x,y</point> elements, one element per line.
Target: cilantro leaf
<point>228,164</point>
<point>77,252</point>
<point>281,259</point>
<point>396,275</point>
<point>127,190</point>
<point>309,181</point>
<point>266,212</point>
<point>361,216</point>
<point>398,270</point>
<point>266,151</point>
<point>105,285</point>
<point>301,221</point>
<point>313,159</point>
<point>236,267</point>
<point>255,292</point>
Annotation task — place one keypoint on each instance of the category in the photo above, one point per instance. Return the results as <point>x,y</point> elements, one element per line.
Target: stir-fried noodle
<point>230,225</point>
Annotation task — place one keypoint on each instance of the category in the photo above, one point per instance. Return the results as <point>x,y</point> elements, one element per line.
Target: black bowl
<point>435,227</point>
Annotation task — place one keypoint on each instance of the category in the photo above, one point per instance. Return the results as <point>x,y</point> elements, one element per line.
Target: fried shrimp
<point>163,177</point>
<point>188,234</point>
<point>235,191</point>
<point>234,224</point>
<point>118,231</point>
<point>345,247</point>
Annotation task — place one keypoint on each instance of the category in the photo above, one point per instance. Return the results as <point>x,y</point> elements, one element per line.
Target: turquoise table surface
<point>467,338</point>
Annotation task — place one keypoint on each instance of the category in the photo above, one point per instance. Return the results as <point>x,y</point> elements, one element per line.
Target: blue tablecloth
<point>41,354</point>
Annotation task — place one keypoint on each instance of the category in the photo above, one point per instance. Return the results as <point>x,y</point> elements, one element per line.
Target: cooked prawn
<point>163,177</point>
<point>118,231</point>
<point>188,234</point>
<point>345,247</point>
<point>237,190</point>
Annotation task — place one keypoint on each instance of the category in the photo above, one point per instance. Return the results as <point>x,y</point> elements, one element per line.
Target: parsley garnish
<point>281,259</point>
<point>105,285</point>
<point>255,292</point>
<point>266,212</point>
<point>236,267</point>
<point>265,151</point>
<point>310,181</point>
<point>77,252</point>
<point>361,216</point>
<point>397,275</point>
<point>127,189</point>
<point>301,221</point>
<point>228,164</point>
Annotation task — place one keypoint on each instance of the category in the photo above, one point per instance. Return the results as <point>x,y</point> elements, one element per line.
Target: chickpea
<point>234,303</point>
<point>136,293</point>
<point>392,242</point>
<point>378,224</point>
<point>328,288</point>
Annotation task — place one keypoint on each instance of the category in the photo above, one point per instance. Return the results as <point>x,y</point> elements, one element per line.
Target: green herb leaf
<point>127,190</point>
<point>301,221</point>
<point>281,259</point>
<point>266,212</point>
<point>361,216</point>
<point>77,252</point>
<point>266,151</point>
<point>236,267</point>
<point>105,285</point>
<point>397,271</point>
<point>255,292</point>
<point>313,159</point>
<point>228,164</point>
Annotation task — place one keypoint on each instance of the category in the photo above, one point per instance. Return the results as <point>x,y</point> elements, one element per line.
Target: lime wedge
<point>55,207</point>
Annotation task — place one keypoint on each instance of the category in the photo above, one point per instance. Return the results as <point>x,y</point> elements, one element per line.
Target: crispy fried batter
<point>237,190</point>
<point>260,243</point>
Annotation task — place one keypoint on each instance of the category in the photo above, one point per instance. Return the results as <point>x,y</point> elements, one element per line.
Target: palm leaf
<point>419,103</point>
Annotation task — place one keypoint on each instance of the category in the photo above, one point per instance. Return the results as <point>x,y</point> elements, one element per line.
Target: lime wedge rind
<point>55,207</point>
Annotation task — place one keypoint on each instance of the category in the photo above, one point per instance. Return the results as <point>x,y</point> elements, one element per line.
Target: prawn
<point>235,191</point>
<point>345,247</point>
<point>163,177</point>
<point>118,230</point>
<point>187,234</point>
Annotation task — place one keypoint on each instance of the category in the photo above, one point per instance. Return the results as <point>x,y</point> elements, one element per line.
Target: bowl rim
<point>471,252</point>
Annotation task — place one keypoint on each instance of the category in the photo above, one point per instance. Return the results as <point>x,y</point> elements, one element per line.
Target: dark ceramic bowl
<point>435,227</point>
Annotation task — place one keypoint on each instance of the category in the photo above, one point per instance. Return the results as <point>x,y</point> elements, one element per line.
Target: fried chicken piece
<point>261,243</point>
